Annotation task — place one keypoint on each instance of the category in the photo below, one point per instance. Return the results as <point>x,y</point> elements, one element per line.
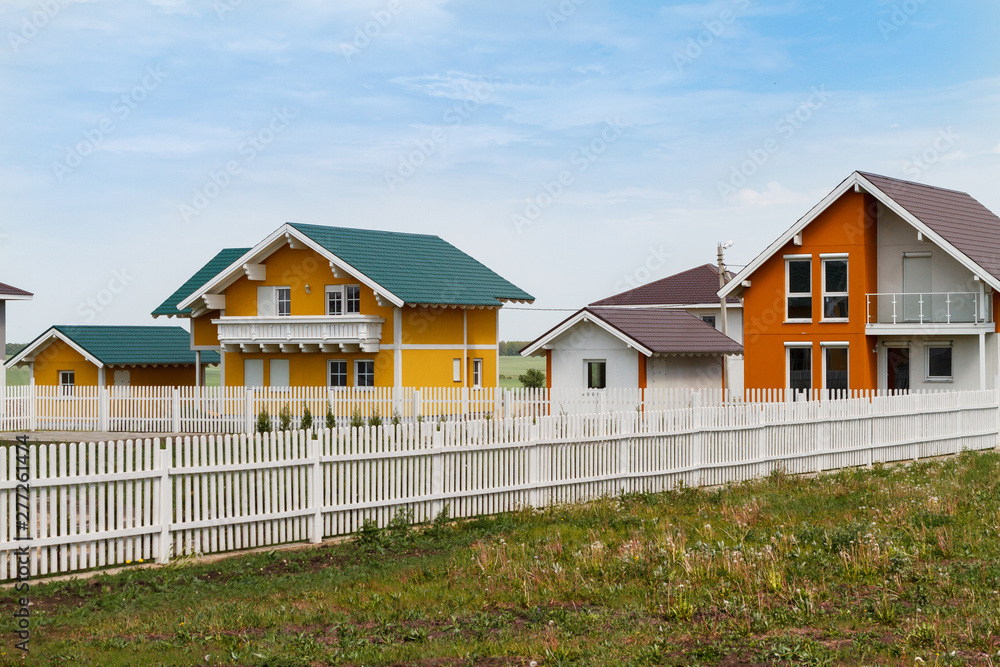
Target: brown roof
<point>961,220</point>
<point>697,285</point>
<point>668,331</point>
<point>8,290</point>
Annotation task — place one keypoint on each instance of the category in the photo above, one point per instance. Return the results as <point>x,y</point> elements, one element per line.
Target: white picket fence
<point>94,505</point>
<point>235,409</point>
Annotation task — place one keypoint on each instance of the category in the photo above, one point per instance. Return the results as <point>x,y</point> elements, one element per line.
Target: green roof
<point>214,267</point>
<point>418,268</point>
<point>134,345</point>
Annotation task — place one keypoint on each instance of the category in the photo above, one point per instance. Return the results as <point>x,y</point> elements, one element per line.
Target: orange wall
<point>205,333</point>
<point>847,226</point>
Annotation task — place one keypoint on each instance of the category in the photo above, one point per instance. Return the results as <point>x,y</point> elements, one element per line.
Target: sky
<point>576,147</point>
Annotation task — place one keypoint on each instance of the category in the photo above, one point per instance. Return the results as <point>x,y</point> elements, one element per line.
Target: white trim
<point>442,346</point>
<point>928,346</point>
<point>15,297</point>
<point>330,362</point>
<point>855,179</point>
<point>788,364</point>
<point>364,361</point>
<point>586,373</point>
<point>799,295</point>
<point>44,341</point>
<point>834,255</point>
<point>397,347</point>
<point>798,256</point>
<point>833,343</point>
<point>573,320</point>
<point>264,249</point>
<point>798,344</point>
<point>834,346</point>
<point>823,293</point>
<point>477,370</point>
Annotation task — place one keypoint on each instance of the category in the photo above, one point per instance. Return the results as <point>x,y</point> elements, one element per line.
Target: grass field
<point>888,566</point>
<point>512,367</point>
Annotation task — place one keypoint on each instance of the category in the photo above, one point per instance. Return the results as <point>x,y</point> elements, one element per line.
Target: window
<point>799,287</point>
<point>337,373</point>
<point>597,374</point>
<point>353,298</point>
<point>835,368</point>
<point>456,370</point>
<point>800,368</point>
<point>67,380</point>
<point>709,320</point>
<point>477,373</point>
<point>279,372</point>
<point>283,301</point>
<point>364,373</point>
<point>939,363</point>
<point>835,289</point>
<point>343,299</point>
<point>253,372</point>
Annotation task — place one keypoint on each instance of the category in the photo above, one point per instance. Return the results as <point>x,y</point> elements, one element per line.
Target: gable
<point>212,268</point>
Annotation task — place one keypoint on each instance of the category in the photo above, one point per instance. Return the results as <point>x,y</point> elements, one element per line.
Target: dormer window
<point>343,299</point>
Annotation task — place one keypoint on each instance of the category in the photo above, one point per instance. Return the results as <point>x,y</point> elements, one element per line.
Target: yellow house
<point>330,306</point>
<point>87,356</point>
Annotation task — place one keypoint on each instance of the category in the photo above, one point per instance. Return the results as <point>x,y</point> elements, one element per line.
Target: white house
<point>8,293</point>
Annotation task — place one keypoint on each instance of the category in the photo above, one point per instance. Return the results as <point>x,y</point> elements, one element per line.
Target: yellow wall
<point>205,333</point>
<point>310,369</point>
<point>432,326</point>
<point>59,356</point>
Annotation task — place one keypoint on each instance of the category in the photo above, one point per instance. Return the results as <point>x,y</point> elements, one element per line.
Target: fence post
<point>103,408</point>
<point>316,494</point>
<point>437,468</point>
<point>248,409</point>
<point>33,405</point>
<point>175,409</point>
<point>696,435</point>
<point>164,511</point>
<point>625,451</point>
<point>416,404</point>
<point>534,465</point>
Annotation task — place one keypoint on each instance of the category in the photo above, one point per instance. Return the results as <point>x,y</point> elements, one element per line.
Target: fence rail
<point>235,409</point>
<point>94,505</point>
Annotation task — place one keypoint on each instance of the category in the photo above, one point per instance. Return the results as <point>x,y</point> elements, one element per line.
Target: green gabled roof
<point>214,267</point>
<point>133,345</point>
<point>418,268</point>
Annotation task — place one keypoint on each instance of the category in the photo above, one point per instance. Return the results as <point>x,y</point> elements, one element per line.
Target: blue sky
<point>673,126</point>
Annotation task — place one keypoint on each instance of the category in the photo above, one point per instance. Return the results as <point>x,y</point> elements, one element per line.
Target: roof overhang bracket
<point>294,243</point>
<point>255,271</point>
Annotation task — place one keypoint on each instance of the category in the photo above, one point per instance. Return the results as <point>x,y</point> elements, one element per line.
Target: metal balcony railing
<point>927,308</point>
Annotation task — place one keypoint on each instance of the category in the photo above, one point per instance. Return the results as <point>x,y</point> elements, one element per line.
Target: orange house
<point>884,284</point>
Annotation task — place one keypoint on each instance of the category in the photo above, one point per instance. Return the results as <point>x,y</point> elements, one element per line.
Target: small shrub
<point>357,421</point>
<point>375,420</point>
<point>264,422</point>
<point>532,378</point>
<point>396,418</point>
<point>307,419</point>
<point>330,420</point>
<point>285,419</point>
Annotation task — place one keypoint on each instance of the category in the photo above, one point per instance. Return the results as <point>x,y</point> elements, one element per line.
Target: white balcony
<point>928,312</point>
<point>328,334</point>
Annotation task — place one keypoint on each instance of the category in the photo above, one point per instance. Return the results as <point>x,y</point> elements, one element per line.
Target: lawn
<point>888,566</point>
<point>512,367</point>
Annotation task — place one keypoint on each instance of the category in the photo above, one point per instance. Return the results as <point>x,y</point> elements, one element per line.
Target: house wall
<point>734,317</point>
<point>965,361</point>
<point>587,341</point>
<point>203,332</point>
<point>895,237</point>
<point>848,225</point>
<point>310,370</point>
<point>58,356</point>
<point>677,371</point>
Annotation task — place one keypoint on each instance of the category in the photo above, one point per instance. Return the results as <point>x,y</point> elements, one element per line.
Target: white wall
<point>964,362</point>
<point>734,317</point>
<point>587,341</point>
<point>676,371</point>
<point>896,236</point>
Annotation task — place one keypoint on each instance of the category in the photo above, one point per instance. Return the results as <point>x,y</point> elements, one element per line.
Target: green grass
<point>512,367</point>
<point>863,567</point>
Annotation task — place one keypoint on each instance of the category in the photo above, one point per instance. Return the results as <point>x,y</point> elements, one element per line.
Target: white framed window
<point>336,372</point>
<point>798,288</point>
<point>596,373</point>
<point>67,380</point>
<point>364,373</point>
<point>709,320</point>
<point>274,300</point>
<point>939,362</point>
<point>798,365</point>
<point>835,289</point>
<point>343,299</point>
<point>477,373</point>
<point>283,301</point>
<point>836,367</point>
